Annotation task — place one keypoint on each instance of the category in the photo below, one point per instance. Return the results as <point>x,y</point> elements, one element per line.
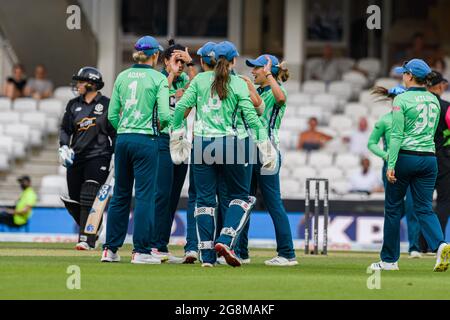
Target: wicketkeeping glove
<point>180,147</point>
<point>269,155</point>
<point>66,156</point>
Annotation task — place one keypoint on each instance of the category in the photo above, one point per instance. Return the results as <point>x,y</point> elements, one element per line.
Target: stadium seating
<point>314,87</point>
<point>25,105</point>
<point>5,104</point>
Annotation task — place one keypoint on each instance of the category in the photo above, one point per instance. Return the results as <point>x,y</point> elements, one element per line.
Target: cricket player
<point>412,163</point>
<point>216,94</point>
<point>86,145</point>
<point>382,130</point>
<point>170,176</point>
<point>139,109</point>
<point>268,74</point>
<point>437,86</point>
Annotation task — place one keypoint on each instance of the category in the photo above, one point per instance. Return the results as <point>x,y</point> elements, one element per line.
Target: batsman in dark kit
<point>86,147</point>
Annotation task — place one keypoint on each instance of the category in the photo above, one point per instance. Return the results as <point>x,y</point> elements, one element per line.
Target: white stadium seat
<point>341,89</point>
<point>25,105</point>
<point>328,101</point>
<point>346,161</point>
<point>446,96</point>
<point>4,162</point>
<point>311,111</point>
<point>319,160</point>
<point>355,78</point>
<point>387,83</point>
<point>5,104</point>
<point>356,110</point>
<point>341,123</point>
<point>346,64</point>
<point>52,107</point>
<point>9,117</point>
<point>290,188</point>
<point>7,146</point>
<point>331,173</point>
<point>371,65</point>
<point>20,132</point>
<point>36,138</point>
<point>314,87</point>
<point>299,99</point>
<point>292,86</point>
<point>295,124</point>
<point>20,149</point>
<point>294,159</point>
<point>304,173</point>
<point>36,120</point>
<point>341,186</point>
<point>64,94</point>
<point>53,184</point>
<point>366,97</point>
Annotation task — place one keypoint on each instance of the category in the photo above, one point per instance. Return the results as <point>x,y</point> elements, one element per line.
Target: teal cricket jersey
<point>179,82</point>
<point>214,118</point>
<point>382,130</point>
<point>273,113</point>
<point>415,118</point>
<point>139,100</point>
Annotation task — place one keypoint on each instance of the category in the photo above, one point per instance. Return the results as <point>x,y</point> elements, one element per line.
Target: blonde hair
<point>221,79</point>
<point>140,57</point>
<point>283,73</point>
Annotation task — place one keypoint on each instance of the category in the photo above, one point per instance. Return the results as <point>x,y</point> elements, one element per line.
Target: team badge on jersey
<point>86,123</point>
<point>98,109</point>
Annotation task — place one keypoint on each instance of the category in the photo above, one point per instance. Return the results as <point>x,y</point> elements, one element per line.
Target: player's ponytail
<point>283,73</point>
<point>140,57</point>
<point>430,78</point>
<point>382,94</point>
<point>221,79</point>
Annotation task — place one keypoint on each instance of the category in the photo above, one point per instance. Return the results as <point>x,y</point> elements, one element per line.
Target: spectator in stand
<point>20,215</point>
<point>15,85</point>
<point>366,180</point>
<point>39,87</point>
<point>359,138</point>
<point>327,68</point>
<point>312,139</point>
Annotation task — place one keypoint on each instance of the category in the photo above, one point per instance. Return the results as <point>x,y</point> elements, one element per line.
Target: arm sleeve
<point>374,139</point>
<point>162,99</point>
<point>398,127</point>
<point>66,129</point>
<point>246,105</point>
<point>114,107</point>
<point>188,99</point>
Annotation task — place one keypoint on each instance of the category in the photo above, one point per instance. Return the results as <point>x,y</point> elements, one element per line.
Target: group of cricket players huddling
<point>233,149</point>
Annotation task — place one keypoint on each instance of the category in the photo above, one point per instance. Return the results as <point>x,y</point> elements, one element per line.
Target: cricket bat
<point>98,208</point>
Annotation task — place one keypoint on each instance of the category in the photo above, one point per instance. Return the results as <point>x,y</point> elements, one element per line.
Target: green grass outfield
<point>38,271</point>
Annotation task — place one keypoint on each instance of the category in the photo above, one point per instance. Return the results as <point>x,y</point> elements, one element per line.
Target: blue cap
<point>225,49</point>
<point>148,45</point>
<point>395,91</point>
<point>417,67</point>
<point>206,52</point>
<point>261,61</point>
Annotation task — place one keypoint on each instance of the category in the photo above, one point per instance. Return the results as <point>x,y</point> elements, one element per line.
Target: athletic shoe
<point>246,261</point>
<point>109,256</point>
<point>163,257</point>
<point>207,265</point>
<point>83,246</point>
<point>221,261</point>
<point>190,257</point>
<point>443,258</point>
<point>415,255</point>
<point>387,266</point>
<point>281,262</point>
<point>143,258</point>
<point>169,258</point>
<point>230,257</point>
